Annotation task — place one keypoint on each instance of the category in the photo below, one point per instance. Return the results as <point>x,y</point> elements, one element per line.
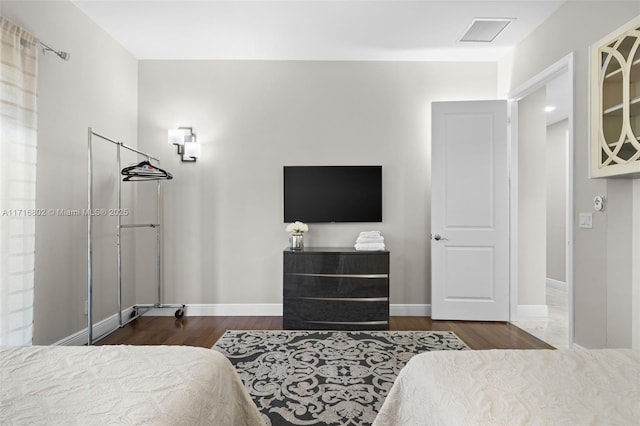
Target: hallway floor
<point>554,330</point>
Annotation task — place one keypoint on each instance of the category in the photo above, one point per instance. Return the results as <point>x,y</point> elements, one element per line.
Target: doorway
<point>542,205</point>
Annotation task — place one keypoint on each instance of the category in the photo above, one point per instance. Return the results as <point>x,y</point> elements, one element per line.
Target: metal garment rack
<point>138,310</point>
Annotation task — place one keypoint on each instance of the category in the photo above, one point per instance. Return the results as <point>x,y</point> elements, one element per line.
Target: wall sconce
<point>188,147</point>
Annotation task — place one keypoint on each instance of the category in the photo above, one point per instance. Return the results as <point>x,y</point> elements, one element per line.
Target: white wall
<point>597,299</point>
<point>224,230</point>
<point>96,87</point>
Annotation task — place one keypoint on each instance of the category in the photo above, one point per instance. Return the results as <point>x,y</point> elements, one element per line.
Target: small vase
<point>296,241</point>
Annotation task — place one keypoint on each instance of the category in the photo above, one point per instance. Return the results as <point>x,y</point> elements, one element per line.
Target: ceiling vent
<point>485,29</point>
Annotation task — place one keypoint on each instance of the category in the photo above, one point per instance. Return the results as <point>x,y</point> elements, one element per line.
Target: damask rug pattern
<point>325,377</point>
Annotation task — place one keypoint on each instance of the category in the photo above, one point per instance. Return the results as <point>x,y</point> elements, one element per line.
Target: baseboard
<point>558,285</point>
<point>109,324</point>
<point>100,329</point>
<point>223,310</point>
<point>273,310</point>
<point>540,311</point>
<point>578,347</point>
<point>397,310</point>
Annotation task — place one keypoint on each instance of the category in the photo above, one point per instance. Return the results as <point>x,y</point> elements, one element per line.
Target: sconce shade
<point>192,149</point>
<point>177,136</point>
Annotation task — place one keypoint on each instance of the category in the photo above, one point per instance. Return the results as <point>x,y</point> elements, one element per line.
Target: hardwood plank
<point>205,331</point>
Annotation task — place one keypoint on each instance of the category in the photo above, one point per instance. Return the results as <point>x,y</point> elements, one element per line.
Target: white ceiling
<point>393,30</point>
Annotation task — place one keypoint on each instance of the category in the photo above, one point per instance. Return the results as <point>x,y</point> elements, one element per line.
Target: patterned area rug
<point>325,377</point>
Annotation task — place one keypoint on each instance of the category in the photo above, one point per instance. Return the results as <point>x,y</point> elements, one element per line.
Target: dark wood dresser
<point>335,288</point>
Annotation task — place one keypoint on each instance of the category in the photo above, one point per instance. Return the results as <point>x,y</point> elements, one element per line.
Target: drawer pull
<point>341,275</point>
<point>347,299</point>
<point>350,322</point>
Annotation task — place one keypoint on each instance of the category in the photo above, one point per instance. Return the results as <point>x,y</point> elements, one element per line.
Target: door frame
<point>564,65</point>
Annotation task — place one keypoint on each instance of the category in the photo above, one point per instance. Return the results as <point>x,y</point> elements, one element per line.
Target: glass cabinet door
<point>615,103</point>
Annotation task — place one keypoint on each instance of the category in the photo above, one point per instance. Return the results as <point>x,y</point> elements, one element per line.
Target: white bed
<point>142,385</point>
<point>516,387</point>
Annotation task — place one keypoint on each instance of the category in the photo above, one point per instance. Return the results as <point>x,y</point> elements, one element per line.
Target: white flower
<point>297,227</point>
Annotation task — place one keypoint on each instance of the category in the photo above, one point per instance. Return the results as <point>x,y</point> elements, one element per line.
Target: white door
<point>469,211</point>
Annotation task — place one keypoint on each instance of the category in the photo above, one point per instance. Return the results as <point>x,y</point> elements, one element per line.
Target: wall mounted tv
<point>325,194</point>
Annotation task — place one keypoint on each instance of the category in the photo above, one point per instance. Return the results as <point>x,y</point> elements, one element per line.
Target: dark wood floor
<point>205,331</point>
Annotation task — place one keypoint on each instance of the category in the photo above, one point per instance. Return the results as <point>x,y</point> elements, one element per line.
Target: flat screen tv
<point>325,194</point>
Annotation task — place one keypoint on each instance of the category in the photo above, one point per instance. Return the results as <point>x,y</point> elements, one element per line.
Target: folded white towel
<point>370,234</point>
<point>370,246</point>
<point>370,239</point>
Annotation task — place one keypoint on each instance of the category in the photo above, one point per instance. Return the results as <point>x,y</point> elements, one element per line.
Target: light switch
<point>585,220</point>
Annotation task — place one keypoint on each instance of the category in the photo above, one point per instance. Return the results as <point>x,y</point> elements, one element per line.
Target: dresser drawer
<point>317,285</point>
<point>333,310</point>
<point>336,263</point>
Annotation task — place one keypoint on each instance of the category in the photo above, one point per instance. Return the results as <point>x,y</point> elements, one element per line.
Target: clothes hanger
<point>145,171</point>
<point>143,168</point>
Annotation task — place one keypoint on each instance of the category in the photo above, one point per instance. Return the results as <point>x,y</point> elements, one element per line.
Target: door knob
<point>437,237</point>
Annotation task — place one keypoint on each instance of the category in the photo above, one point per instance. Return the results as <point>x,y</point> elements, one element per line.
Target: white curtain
<point>18,142</point>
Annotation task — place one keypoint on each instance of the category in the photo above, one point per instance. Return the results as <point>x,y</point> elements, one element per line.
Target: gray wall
<point>556,172</point>
<point>599,298</point>
<point>224,231</point>
<point>96,87</point>
<point>619,210</point>
<point>532,199</point>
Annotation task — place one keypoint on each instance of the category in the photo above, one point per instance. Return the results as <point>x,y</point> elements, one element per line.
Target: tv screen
<point>322,194</point>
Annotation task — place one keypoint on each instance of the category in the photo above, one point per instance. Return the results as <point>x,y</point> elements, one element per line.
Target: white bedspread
<point>516,387</point>
<point>141,385</point>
